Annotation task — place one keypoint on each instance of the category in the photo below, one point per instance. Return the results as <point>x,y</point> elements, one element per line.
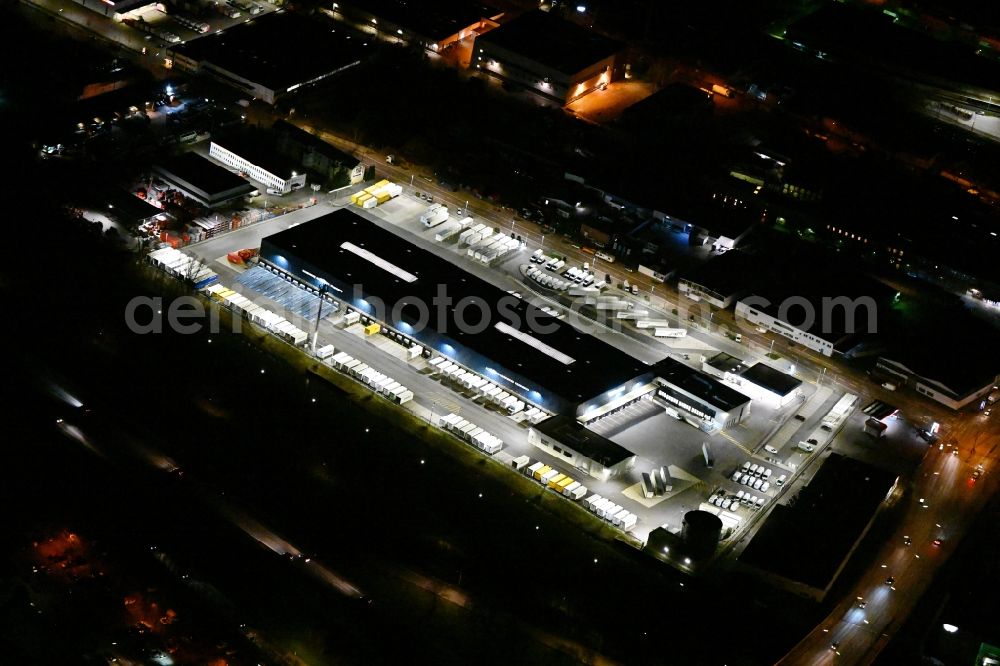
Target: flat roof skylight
<point>534,342</point>
<point>379,261</point>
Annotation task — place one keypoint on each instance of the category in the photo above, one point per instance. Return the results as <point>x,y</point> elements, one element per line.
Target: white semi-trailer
<point>434,215</point>
<point>661,332</point>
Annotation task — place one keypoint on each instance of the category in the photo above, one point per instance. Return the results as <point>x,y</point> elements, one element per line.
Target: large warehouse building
<point>545,361</point>
<point>430,301</point>
<point>549,56</point>
<point>278,174</point>
<point>206,182</point>
<point>422,299</point>
<point>272,56</point>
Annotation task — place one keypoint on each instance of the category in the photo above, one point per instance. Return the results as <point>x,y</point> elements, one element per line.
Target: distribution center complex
<point>548,363</point>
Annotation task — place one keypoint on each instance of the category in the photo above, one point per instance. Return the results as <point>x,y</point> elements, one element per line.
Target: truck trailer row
<point>174,262</point>
<point>259,315</point>
<point>551,478</point>
<point>469,432</point>
<point>485,388</point>
<point>378,382</point>
<point>604,508</point>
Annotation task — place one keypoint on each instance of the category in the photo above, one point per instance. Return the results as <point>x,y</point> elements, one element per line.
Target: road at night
<point>942,503</point>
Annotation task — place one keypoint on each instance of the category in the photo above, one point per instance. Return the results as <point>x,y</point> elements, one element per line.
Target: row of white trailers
<point>469,432</point>
<point>604,508</point>
<point>486,388</point>
<point>243,306</point>
<point>176,263</point>
<point>492,248</point>
<point>380,383</point>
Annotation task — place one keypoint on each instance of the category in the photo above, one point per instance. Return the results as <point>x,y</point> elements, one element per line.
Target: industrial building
<point>565,437</point>
<point>202,180</point>
<point>116,9</point>
<point>701,400</point>
<point>277,173</point>
<point>768,385</point>
<point>551,57</point>
<point>947,381</point>
<point>336,166</point>
<point>805,547</point>
<point>823,311</point>
<point>271,56</point>
<point>419,298</point>
<point>545,361</point>
<point>759,382</point>
<point>434,26</point>
<point>719,281</point>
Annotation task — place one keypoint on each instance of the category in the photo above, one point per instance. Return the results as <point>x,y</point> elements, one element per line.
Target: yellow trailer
<point>223,295</point>
<point>377,186</point>
<point>356,196</point>
<point>362,199</point>
<point>565,482</point>
<point>382,196</point>
<point>542,471</point>
<point>554,481</point>
<point>372,329</point>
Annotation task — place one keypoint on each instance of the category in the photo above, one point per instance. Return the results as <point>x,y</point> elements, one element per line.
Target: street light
<point>319,314</point>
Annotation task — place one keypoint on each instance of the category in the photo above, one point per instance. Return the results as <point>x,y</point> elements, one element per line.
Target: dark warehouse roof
<point>594,366</point>
<point>205,176</point>
<point>551,41</point>
<point>569,432</point>
<point>700,385</point>
<point>279,50</point>
<point>773,380</point>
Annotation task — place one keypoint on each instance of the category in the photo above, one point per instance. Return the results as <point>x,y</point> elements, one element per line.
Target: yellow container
<point>565,482</point>
<point>362,199</point>
<point>542,471</point>
<point>372,329</point>
<point>554,481</point>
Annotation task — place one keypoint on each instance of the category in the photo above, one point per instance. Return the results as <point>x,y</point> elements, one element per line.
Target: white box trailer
<point>465,235</point>
<point>520,463</point>
<point>629,521</point>
<point>578,492</point>
<point>447,420</point>
<point>447,231</point>
<point>549,475</point>
<point>652,323</point>
<point>414,351</point>
<point>465,222</point>
<point>403,397</point>
<point>435,214</point>
<point>661,332</point>
<point>619,518</point>
<point>352,317</point>
<point>568,490</point>
<point>436,361</point>
<point>493,446</point>
<point>591,502</point>
<point>534,467</point>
